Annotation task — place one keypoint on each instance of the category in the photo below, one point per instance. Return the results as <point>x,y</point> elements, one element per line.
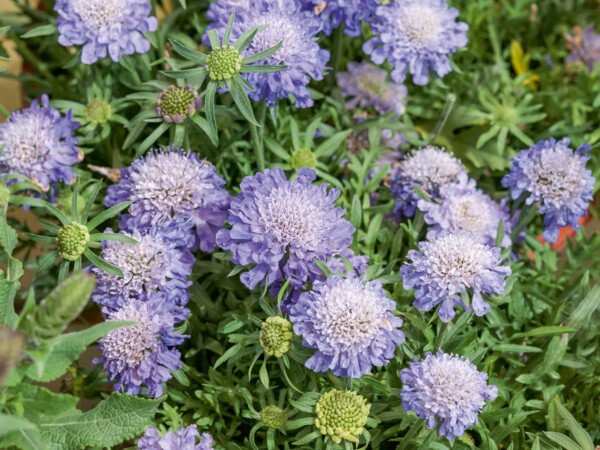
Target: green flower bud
<point>61,306</point>
<point>275,336</point>
<point>223,63</point>
<point>303,157</point>
<point>176,103</point>
<point>273,417</point>
<point>98,111</point>
<point>342,415</point>
<point>72,240</point>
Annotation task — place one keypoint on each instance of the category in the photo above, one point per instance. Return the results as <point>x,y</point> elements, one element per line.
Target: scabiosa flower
<point>463,207</point>
<point>447,390</point>
<point>174,191</point>
<point>283,226</point>
<point>333,13</point>
<point>555,177</point>
<point>349,322</point>
<point>141,355</point>
<point>182,439</point>
<point>105,27</point>
<point>449,265</point>
<point>584,46</point>
<point>427,169</point>
<point>155,264</point>
<point>220,11</point>
<point>416,35</point>
<point>296,30</point>
<point>368,86</point>
<point>38,142</point>
<point>177,103</point>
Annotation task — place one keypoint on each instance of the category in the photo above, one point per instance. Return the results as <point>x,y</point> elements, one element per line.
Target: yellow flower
<point>520,62</point>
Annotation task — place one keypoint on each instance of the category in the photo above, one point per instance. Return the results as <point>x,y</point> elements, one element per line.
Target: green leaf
<point>203,124</point>
<point>263,374</point>
<point>583,313</point>
<point>188,53</point>
<point>544,331</point>
<point>265,68</point>
<point>209,107</point>
<point>9,424</point>
<point>108,214</point>
<point>65,349</point>
<point>113,421</point>
<point>580,435</point>
<point>112,237</point>
<point>44,30</point>
<point>328,147</point>
<point>562,440</point>
<point>513,348</point>
<point>263,55</point>
<point>150,140</point>
<point>101,264</point>
<point>241,100</point>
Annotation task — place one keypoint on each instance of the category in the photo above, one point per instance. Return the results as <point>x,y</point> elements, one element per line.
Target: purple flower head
<point>283,226</point>
<point>182,439</point>
<point>333,13</point>
<point>141,355</point>
<point>177,103</point>
<point>105,27</point>
<point>220,11</point>
<point>349,322</point>
<point>428,169</point>
<point>296,30</point>
<point>450,265</point>
<point>368,86</point>
<point>447,390</point>
<point>155,265</point>
<point>174,191</point>
<point>417,36</point>
<point>37,142</point>
<point>584,46</point>
<point>555,177</point>
<point>464,208</point>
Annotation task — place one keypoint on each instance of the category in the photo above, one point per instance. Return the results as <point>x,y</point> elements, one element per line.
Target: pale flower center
<point>420,24</point>
<point>100,13</point>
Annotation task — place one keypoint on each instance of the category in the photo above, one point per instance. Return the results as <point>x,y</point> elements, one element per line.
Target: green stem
<point>336,56</point>
<point>412,432</point>
<point>257,136</point>
<point>439,339</point>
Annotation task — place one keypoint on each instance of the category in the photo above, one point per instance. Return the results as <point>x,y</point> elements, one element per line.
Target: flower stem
<point>336,54</point>
<point>412,432</point>
<point>257,141</point>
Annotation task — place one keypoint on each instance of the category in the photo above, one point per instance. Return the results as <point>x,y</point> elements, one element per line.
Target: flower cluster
<point>554,176</point>
<point>367,86</point>
<point>182,439</point>
<point>105,27</point>
<point>426,169</point>
<point>464,208</point>
<point>38,143</point>
<point>349,322</point>
<point>447,390</point>
<point>178,204</point>
<point>283,226</point>
<point>416,35</point>
<point>452,264</point>
<point>284,22</point>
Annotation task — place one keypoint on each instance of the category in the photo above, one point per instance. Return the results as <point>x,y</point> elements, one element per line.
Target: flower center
<point>72,241</point>
<point>223,63</point>
<point>98,111</point>
<point>273,417</point>
<point>100,13</point>
<point>420,24</point>
<point>275,336</point>
<point>177,101</point>
<point>279,29</point>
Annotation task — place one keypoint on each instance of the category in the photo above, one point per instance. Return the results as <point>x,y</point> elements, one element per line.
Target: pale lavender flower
<point>38,143</point>
<point>155,266</point>
<point>176,192</point>
<point>281,227</point>
<point>182,439</point>
<point>426,169</point>
<point>367,86</point>
<point>555,177</point>
<point>141,355</point>
<point>105,27</point>
<point>445,268</point>
<point>284,22</point>
<point>350,324</point>
<point>446,390</point>
<point>584,46</point>
<point>335,13</point>
<point>417,36</point>
<point>463,207</point>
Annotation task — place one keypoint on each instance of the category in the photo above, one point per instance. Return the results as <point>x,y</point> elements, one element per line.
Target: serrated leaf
<point>113,421</point>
